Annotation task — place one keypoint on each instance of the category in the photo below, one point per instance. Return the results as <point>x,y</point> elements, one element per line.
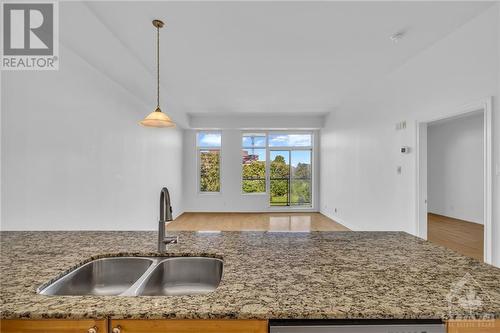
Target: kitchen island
<point>317,275</point>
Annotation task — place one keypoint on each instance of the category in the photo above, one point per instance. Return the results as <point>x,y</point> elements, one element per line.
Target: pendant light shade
<point>157,118</point>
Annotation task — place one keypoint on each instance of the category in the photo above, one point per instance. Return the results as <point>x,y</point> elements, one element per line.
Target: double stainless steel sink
<point>140,276</point>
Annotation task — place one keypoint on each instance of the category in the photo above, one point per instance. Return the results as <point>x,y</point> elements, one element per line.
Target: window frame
<point>268,148</point>
<point>290,149</point>
<point>291,177</point>
<point>199,149</point>
<point>265,147</point>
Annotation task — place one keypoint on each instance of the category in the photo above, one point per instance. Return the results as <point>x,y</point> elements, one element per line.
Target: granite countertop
<point>317,275</point>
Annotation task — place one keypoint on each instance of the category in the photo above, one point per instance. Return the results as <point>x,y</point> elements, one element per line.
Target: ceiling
<point>254,57</point>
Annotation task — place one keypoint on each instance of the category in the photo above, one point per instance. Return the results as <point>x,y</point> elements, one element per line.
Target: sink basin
<point>101,277</point>
<point>183,276</point>
<point>139,276</point>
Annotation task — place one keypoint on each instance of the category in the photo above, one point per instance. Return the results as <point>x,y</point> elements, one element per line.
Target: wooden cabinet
<point>473,326</point>
<point>189,326</point>
<point>53,326</point>
<point>132,326</point>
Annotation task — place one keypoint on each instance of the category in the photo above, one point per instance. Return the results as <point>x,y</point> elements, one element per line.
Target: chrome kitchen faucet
<point>165,216</point>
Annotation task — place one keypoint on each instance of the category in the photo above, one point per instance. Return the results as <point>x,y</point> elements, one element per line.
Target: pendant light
<point>157,118</point>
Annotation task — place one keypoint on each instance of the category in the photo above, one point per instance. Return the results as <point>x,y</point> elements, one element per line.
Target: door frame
<point>483,105</point>
<point>290,178</point>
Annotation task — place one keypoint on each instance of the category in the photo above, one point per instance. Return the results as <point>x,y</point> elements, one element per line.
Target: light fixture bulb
<point>398,36</point>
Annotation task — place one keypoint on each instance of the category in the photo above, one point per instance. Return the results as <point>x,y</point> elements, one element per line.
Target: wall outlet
<point>401,125</point>
<point>405,150</point>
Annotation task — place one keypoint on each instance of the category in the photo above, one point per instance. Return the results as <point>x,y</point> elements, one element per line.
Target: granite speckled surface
<point>317,275</point>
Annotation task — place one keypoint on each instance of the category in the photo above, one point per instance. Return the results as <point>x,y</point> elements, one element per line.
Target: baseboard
<point>454,218</point>
<point>271,211</point>
<point>340,221</point>
<point>176,216</point>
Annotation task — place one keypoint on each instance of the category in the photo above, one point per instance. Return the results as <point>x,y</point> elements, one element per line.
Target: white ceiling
<point>241,57</point>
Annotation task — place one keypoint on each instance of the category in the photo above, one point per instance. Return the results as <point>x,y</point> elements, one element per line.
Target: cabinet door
<point>189,326</point>
<point>52,326</point>
<point>473,326</point>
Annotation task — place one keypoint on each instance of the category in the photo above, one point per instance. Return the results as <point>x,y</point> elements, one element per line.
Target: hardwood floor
<point>290,222</point>
<point>461,236</point>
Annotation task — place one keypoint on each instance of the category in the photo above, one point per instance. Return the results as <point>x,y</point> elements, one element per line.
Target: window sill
<point>209,193</point>
<point>291,207</point>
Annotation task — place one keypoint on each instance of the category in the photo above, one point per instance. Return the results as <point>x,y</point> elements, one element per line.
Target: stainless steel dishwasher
<point>356,326</point>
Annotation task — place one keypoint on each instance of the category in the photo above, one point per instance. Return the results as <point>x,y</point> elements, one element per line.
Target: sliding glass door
<point>279,177</point>
<point>300,178</point>
<point>290,177</point>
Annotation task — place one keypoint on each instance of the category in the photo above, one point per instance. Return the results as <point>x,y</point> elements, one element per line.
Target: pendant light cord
<point>158,66</point>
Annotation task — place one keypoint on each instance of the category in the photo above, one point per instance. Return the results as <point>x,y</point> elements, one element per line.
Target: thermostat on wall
<point>405,150</point>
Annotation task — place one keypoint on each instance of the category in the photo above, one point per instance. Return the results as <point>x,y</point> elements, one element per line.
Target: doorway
<point>290,177</point>
<point>454,180</point>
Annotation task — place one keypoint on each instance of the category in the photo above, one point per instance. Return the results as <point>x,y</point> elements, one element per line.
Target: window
<point>290,169</point>
<point>208,145</point>
<point>253,163</point>
<point>279,163</point>
<point>290,140</point>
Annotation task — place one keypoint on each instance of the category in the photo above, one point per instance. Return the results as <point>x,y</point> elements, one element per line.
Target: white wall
<point>456,168</point>
<point>230,199</point>
<point>257,121</point>
<point>74,157</point>
<point>496,161</point>
<point>360,146</point>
